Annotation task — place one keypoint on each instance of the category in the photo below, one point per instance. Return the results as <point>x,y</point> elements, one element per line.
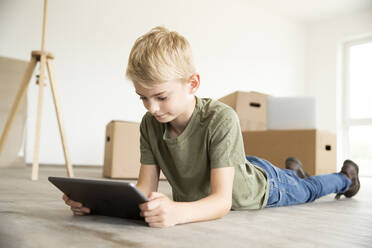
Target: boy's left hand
<point>159,211</point>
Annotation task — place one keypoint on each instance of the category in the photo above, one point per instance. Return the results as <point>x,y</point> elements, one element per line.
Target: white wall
<point>236,46</point>
<point>324,57</point>
<point>323,66</point>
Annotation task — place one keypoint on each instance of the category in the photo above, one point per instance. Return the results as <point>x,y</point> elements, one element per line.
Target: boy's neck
<point>180,123</point>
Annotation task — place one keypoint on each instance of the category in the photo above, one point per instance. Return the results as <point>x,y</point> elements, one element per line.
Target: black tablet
<point>103,197</point>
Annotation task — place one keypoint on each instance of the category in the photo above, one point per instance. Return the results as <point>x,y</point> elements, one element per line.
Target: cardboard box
<point>11,74</point>
<point>291,112</point>
<point>122,150</point>
<point>315,149</point>
<point>250,107</point>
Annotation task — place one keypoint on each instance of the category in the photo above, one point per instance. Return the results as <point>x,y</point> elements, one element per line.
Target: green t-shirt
<point>211,139</point>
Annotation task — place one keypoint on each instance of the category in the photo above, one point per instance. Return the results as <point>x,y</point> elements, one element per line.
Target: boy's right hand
<point>76,207</point>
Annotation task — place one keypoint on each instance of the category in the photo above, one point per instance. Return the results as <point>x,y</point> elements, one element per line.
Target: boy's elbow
<point>226,208</point>
<point>222,205</point>
<point>224,212</point>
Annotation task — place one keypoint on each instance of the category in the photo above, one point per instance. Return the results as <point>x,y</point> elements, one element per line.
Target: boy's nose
<point>153,108</point>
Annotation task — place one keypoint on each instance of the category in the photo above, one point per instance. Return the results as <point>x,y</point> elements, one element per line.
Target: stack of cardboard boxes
<point>316,149</point>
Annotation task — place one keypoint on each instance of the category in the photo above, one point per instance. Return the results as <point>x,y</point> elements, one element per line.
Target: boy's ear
<point>194,82</point>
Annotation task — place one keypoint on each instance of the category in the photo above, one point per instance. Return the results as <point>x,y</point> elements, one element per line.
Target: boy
<point>198,145</point>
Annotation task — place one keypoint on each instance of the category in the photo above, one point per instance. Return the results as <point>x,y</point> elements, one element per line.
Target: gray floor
<point>32,214</point>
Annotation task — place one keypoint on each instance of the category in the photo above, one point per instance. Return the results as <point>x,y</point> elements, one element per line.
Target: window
<point>357,107</point>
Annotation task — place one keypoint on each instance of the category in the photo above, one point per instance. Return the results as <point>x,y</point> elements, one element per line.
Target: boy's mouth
<point>160,116</point>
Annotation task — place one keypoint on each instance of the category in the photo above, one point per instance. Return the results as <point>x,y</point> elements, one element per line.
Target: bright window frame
<point>347,121</point>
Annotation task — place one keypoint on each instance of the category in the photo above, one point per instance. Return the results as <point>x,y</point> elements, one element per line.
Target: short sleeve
<point>147,156</point>
<point>226,142</point>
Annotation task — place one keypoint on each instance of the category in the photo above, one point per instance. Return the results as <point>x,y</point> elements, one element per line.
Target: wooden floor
<point>32,214</point>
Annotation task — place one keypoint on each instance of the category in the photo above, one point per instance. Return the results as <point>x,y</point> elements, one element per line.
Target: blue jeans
<point>286,188</point>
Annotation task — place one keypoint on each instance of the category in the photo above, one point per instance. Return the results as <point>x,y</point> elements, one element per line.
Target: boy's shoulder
<point>215,110</point>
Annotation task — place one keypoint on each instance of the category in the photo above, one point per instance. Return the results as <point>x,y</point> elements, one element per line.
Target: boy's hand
<point>159,211</point>
<point>76,207</point>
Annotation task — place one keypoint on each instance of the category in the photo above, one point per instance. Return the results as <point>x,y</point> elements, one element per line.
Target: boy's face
<point>167,101</point>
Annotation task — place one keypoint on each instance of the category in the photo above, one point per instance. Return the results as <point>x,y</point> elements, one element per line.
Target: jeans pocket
<point>274,194</point>
<point>291,190</point>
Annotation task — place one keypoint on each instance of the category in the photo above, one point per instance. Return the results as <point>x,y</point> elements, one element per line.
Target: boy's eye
<point>159,98</point>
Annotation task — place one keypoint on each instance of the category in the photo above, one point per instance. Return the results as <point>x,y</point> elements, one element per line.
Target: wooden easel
<point>45,59</point>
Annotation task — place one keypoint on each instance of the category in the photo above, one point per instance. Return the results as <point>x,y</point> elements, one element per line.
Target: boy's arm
<point>160,211</point>
<point>214,206</point>
<point>148,179</point>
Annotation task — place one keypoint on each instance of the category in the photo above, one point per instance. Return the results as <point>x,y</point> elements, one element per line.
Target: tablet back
<point>118,199</point>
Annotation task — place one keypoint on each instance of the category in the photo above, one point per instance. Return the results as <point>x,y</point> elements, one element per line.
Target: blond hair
<point>159,56</point>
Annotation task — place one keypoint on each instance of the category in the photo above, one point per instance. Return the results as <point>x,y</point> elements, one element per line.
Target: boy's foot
<point>351,171</point>
<point>295,164</point>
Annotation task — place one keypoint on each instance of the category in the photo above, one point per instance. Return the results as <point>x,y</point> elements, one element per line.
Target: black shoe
<point>351,171</point>
<point>295,164</point>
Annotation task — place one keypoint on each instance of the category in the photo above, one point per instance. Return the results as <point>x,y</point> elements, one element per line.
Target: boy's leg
<point>293,163</point>
<point>322,185</point>
<point>286,188</point>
